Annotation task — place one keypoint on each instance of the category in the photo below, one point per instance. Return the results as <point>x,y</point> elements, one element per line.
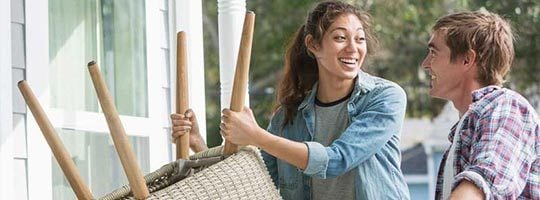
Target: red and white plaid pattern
<point>499,146</point>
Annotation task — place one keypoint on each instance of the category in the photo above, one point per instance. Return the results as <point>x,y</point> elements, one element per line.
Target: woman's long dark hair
<point>300,70</point>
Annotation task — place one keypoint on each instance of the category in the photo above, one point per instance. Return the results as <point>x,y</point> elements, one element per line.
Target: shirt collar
<point>363,84</point>
<point>480,93</point>
<point>476,96</point>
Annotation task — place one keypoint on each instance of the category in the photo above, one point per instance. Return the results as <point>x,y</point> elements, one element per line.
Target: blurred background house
<point>423,145</point>
<point>49,43</point>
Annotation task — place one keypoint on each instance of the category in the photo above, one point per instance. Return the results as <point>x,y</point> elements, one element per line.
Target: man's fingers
<point>181,122</point>
<point>225,134</point>
<point>181,128</point>
<point>222,126</point>
<point>189,114</point>
<point>226,118</point>
<point>226,111</point>
<point>177,116</point>
<point>222,133</point>
<point>177,134</point>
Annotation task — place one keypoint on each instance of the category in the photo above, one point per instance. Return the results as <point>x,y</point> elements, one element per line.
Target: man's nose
<point>426,63</point>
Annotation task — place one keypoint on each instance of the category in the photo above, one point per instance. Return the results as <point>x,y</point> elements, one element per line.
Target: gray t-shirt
<point>330,121</point>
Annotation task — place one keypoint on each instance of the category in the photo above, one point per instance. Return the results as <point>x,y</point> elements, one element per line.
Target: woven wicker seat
<point>208,175</point>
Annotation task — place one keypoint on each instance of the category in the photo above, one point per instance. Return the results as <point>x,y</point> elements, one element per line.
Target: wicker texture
<point>206,176</point>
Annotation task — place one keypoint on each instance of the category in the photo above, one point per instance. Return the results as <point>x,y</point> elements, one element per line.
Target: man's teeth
<point>433,77</point>
<point>348,60</point>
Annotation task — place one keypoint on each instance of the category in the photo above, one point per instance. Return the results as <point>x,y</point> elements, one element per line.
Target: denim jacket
<point>370,144</point>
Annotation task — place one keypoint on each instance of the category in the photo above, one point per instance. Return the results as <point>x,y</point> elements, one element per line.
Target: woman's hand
<point>187,123</point>
<point>240,127</point>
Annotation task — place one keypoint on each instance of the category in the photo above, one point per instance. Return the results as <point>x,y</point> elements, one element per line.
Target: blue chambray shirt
<point>370,144</point>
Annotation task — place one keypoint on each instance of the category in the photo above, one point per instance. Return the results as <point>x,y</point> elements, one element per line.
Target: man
<point>495,146</point>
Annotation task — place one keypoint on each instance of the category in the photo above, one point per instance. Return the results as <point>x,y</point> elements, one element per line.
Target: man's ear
<point>469,58</point>
<point>311,44</point>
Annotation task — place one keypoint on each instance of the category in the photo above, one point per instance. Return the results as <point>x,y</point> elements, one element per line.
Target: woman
<point>335,132</point>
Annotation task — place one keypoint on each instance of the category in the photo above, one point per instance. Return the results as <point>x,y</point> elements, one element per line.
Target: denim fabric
<point>370,144</point>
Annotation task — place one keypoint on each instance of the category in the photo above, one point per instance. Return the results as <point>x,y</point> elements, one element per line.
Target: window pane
<point>124,54</point>
<point>97,161</point>
<point>72,43</point>
<point>111,32</point>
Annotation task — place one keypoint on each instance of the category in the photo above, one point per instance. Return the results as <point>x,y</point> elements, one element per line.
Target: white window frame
<point>39,155</point>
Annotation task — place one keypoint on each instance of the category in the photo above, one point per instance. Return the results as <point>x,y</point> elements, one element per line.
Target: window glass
<point>113,33</point>
<point>97,161</point>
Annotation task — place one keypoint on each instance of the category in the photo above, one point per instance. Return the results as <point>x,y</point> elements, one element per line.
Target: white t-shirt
<point>449,172</point>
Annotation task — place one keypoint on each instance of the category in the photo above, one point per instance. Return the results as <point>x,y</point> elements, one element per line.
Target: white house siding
<point>6,107</point>
<point>25,171</point>
<point>18,58</point>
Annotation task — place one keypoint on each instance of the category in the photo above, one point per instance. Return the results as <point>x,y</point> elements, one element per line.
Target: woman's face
<point>342,49</point>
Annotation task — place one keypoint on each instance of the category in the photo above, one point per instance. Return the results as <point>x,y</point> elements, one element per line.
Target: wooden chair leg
<point>55,143</point>
<point>120,139</point>
<point>241,74</point>
<point>182,94</point>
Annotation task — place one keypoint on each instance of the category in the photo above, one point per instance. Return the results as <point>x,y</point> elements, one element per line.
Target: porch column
<point>231,15</point>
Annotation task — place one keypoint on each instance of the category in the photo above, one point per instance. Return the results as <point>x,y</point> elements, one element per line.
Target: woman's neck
<point>332,91</point>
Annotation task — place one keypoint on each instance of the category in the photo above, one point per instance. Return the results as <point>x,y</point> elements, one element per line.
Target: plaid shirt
<point>498,147</point>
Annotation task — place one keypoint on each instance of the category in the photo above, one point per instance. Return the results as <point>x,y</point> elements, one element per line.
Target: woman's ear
<point>311,45</point>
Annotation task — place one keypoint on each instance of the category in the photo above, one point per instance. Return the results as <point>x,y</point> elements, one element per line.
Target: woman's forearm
<point>294,153</point>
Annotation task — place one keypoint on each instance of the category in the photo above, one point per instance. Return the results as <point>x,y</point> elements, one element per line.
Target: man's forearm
<point>467,190</point>
<point>198,146</point>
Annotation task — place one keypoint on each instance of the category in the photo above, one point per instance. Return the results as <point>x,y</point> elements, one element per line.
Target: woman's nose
<point>351,46</point>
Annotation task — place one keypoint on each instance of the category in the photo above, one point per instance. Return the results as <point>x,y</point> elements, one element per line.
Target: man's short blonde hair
<point>489,35</point>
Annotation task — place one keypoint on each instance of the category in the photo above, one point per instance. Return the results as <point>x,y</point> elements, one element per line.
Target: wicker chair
<point>225,172</point>
<point>207,176</point>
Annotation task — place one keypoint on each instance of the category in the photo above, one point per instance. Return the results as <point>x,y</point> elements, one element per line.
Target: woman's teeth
<point>348,60</point>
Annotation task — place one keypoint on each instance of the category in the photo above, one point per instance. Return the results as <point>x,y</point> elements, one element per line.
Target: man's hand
<point>187,123</point>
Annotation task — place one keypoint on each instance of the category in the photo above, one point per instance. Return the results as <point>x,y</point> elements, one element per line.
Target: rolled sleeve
<point>476,179</point>
<point>317,160</point>
<point>502,154</point>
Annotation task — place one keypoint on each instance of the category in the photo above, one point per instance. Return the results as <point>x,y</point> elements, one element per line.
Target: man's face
<point>447,78</point>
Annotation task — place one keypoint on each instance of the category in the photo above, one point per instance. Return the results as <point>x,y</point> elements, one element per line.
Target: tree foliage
<point>403,28</point>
